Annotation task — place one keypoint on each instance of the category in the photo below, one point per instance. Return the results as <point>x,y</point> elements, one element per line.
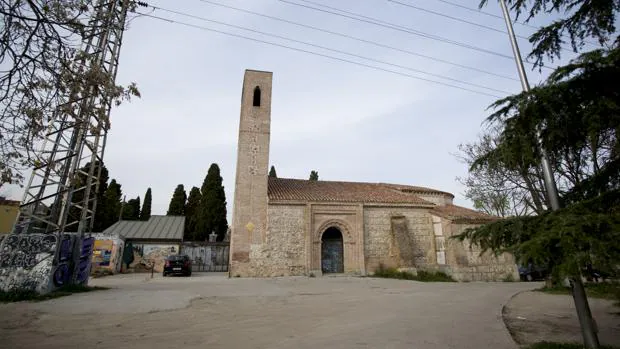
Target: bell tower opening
<point>256,99</point>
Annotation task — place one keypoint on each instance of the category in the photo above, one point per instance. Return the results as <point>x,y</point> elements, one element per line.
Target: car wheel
<point>529,277</point>
<point>189,274</point>
<point>165,274</point>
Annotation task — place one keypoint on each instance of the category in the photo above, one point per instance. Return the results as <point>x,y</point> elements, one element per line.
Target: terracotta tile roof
<point>416,189</point>
<point>285,189</point>
<point>460,214</point>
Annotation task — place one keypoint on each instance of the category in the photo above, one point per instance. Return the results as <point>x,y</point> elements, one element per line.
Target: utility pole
<point>588,328</point>
<point>71,158</point>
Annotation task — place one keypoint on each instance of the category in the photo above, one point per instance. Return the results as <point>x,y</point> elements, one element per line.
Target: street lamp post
<point>588,329</point>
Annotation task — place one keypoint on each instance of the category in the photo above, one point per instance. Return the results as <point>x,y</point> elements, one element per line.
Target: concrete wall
<point>398,238</point>
<point>107,252</point>
<point>8,214</point>
<point>466,264</point>
<point>27,261</point>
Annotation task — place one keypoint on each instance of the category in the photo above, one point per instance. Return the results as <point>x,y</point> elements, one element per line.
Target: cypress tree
<point>272,172</point>
<point>145,214</point>
<point>110,206</point>
<point>191,214</point>
<point>177,203</point>
<point>131,211</point>
<point>78,197</point>
<point>212,210</point>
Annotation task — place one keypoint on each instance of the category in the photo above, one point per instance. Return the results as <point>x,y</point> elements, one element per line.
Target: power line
<point>318,54</point>
<point>332,50</point>
<point>377,22</point>
<point>362,40</point>
<point>461,20</point>
<point>401,28</point>
<point>525,24</point>
<point>452,18</point>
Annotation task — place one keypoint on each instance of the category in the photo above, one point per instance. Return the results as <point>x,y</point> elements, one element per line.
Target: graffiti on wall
<point>152,255</point>
<point>27,261</point>
<point>102,254</point>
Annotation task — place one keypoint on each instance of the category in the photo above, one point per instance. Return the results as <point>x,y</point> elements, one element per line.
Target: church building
<point>284,226</point>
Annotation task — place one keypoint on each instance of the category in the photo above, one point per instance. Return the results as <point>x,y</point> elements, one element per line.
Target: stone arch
<point>338,224</point>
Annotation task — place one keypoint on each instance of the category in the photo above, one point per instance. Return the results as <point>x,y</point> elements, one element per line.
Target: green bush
<point>425,276</point>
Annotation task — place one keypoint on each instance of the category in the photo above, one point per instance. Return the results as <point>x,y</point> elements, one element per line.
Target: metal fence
<point>207,256</point>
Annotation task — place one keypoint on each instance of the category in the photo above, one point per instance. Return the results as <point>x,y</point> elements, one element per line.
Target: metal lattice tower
<point>76,137</point>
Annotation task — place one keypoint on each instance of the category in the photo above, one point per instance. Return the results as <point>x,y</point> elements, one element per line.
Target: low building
<point>152,241</point>
<point>107,252</point>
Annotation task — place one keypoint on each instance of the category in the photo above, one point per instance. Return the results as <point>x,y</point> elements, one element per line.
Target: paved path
<point>536,316</point>
<point>212,311</point>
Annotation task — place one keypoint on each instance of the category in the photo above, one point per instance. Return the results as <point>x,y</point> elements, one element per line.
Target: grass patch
<point>605,290</point>
<point>426,276</point>
<point>550,345</point>
<point>19,296</point>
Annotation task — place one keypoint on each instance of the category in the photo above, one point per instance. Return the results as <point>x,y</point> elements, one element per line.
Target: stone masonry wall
<point>381,246</point>
<point>466,264</point>
<point>283,253</point>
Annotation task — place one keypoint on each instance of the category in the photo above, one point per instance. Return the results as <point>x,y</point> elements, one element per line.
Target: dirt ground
<point>535,316</point>
<point>213,311</point>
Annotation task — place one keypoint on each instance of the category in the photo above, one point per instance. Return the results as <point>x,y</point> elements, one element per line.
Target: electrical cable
<point>361,40</point>
<point>318,54</point>
<point>330,49</point>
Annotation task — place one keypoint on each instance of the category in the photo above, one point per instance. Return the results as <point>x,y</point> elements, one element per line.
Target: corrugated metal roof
<point>156,228</point>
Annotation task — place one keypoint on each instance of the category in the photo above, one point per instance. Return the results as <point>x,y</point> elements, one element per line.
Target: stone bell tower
<point>250,199</point>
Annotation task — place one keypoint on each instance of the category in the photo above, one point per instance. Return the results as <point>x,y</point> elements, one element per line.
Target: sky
<point>346,121</point>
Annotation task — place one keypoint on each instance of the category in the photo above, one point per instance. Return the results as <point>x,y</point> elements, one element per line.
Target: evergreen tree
<point>177,203</point>
<point>212,209</point>
<point>131,210</point>
<point>272,172</point>
<point>191,214</point>
<point>110,206</point>
<point>78,198</point>
<point>314,175</point>
<point>145,214</point>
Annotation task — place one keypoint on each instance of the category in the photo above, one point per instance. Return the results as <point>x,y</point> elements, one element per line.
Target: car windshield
<point>176,258</point>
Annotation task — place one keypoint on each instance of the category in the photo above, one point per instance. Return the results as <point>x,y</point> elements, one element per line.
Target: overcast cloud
<point>348,122</point>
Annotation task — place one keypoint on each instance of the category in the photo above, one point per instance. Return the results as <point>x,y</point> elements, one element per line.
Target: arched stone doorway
<point>332,251</point>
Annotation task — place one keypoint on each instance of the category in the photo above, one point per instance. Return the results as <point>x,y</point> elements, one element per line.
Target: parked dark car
<point>532,272</point>
<point>178,264</point>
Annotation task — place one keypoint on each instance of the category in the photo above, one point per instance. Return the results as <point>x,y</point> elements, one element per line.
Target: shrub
<point>425,276</point>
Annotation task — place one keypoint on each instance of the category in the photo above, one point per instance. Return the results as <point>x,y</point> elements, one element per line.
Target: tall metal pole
<point>588,328</point>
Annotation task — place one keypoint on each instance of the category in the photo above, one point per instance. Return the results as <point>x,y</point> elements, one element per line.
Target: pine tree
<point>145,214</point>
<point>131,211</point>
<point>314,175</point>
<point>272,172</point>
<point>191,214</point>
<point>177,203</point>
<point>212,209</point>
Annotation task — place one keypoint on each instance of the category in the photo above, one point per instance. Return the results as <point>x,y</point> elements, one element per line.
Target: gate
<point>332,256</point>
<point>207,256</point>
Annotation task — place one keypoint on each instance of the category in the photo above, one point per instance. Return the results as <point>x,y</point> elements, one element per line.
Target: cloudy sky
<point>349,122</point>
